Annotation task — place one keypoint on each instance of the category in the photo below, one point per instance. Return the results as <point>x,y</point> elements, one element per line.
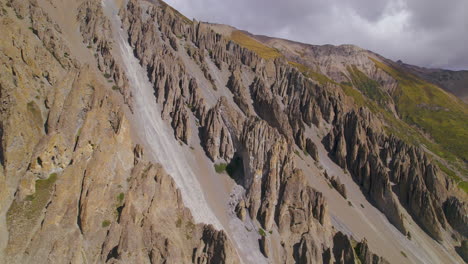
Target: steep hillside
<point>452,81</point>
<point>131,134</point>
<point>414,109</point>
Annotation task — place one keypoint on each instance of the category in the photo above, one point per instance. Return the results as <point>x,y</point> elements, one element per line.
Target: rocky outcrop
<point>353,145</point>
<point>179,241</point>
<point>342,249</point>
<point>97,35</point>
<point>339,187</point>
<point>366,256</point>
<point>375,161</point>
<point>456,213</point>
<point>215,136</point>
<point>289,101</point>
<point>277,194</point>
<point>180,122</point>
<point>241,95</point>
<point>265,245</point>
<point>462,250</point>
<point>311,148</point>
<point>307,252</point>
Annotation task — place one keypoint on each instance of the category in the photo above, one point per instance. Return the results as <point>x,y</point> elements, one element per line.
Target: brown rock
<point>342,249</point>
<point>312,149</point>
<point>341,188</point>
<point>366,256</point>
<point>265,245</point>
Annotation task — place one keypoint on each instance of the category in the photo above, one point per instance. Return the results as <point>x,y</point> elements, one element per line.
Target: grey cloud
<point>429,33</point>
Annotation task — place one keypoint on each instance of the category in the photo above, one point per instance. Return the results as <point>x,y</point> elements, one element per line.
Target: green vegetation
<point>433,111</point>
<point>448,171</point>
<point>262,232</point>
<point>358,98</point>
<point>367,86</point>
<point>107,75</point>
<point>106,223</point>
<point>23,214</point>
<point>464,186</point>
<point>231,169</point>
<point>249,43</point>
<point>220,168</point>
<point>423,108</point>
<point>120,198</point>
<point>320,78</point>
<point>115,88</point>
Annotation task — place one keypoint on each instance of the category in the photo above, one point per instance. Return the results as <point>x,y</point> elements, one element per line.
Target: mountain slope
<point>137,135</point>
<point>433,117</point>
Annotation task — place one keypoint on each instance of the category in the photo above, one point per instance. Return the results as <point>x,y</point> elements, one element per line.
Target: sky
<point>428,33</point>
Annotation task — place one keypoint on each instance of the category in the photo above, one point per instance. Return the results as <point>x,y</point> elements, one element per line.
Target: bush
<point>261,232</point>
<point>220,168</point>
<point>120,197</point>
<point>106,223</point>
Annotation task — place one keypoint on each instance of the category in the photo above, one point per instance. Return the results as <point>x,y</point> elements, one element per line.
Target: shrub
<point>261,232</point>
<point>220,168</point>
<point>120,197</point>
<point>106,223</point>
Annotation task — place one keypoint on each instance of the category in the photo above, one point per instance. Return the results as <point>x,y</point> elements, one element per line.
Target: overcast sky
<point>430,33</point>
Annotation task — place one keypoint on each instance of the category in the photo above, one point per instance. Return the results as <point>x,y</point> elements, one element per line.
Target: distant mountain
<point>455,82</point>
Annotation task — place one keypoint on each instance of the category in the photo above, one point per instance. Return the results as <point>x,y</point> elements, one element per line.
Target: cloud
<point>430,33</point>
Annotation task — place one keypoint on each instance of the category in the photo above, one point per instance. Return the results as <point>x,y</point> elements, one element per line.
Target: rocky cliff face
<point>386,168</point>
<point>271,181</point>
<point>74,174</point>
<point>72,167</point>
